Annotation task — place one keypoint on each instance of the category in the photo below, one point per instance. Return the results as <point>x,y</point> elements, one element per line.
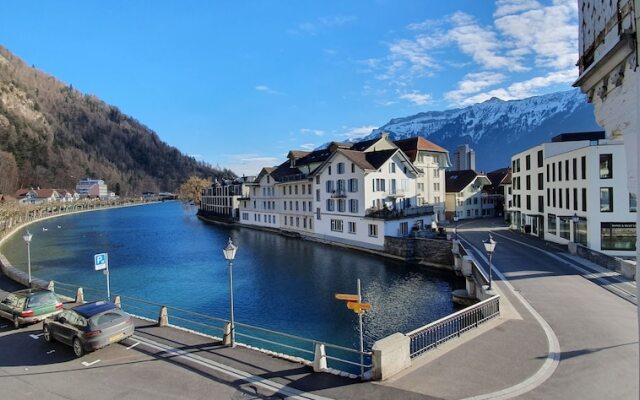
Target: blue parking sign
<point>101,261</point>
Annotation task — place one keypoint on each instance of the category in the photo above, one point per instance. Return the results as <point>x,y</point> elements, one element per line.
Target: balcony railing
<point>338,194</point>
<point>396,193</point>
<point>385,213</point>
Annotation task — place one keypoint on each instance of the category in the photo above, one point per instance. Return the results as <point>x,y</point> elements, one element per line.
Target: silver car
<point>89,326</point>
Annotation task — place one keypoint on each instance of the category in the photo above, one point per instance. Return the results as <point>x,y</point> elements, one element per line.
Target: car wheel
<point>78,350</point>
<point>46,333</point>
<point>16,323</point>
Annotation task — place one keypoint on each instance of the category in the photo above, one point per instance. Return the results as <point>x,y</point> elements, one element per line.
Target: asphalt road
<point>594,320</point>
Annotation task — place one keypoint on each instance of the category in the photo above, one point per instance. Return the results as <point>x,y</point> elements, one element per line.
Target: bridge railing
<point>451,326</point>
<point>280,344</point>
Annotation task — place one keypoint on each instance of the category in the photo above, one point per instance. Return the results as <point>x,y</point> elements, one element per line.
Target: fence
<point>445,329</point>
<point>282,344</point>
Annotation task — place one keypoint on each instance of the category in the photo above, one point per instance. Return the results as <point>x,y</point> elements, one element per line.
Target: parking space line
<point>36,336</point>
<point>133,345</point>
<point>51,351</point>
<point>87,364</point>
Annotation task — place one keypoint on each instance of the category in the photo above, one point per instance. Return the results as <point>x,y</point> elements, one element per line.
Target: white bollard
<point>320,358</point>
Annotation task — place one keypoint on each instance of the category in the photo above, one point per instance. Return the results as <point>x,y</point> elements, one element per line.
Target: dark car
<point>89,326</point>
<point>29,306</point>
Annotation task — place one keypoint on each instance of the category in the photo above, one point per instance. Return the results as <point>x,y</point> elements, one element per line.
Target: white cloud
<point>507,7</point>
<point>322,24</point>
<point>266,89</point>
<point>474,83</point>
<point>308,146</point>
<point>250,163</point>
<point>358,132</point>
<point>419,99</point>
<point>316,132</point>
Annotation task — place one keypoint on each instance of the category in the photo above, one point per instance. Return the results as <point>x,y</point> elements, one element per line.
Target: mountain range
<point>498,129</point>
<point>51,135</point>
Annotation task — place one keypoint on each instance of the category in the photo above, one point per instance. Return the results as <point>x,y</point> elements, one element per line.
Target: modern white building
<point>95,188</point>
<point>573,189</point>
<point>464,195</point>
<point>259,208</point>
<point>221,201</point>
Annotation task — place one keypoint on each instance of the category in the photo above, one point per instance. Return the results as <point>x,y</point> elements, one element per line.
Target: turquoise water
<point>164,254</point>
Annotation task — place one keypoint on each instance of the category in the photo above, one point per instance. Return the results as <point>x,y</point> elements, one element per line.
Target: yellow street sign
<point>358,307</point>
<point>347,297</point>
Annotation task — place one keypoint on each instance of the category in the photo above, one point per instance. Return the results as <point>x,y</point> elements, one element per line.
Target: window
<point>606,199</point>
<point>551,224</point>
<point>548,197</point>
<point>373,230</point>
<point>575,199</point>
<point>554,197</point>
<point>575,169</point>
<point>318,213</point>
<point>329,170</point>
<point>317,179</point>
<point>540,161</point>
<point>565,227</point>
<point>618,236</point>
<point>566,170</point>
<point>353,168</point>
<point>336,225</point>
<point>296,190</point>
<point>566,201</point>
<point>290,189</point>
<point>392,167</point>
<point>527,162</point>
<point>285,206</point>
<point>309,188</point>
<point>560,171</point>
<point>560,198</point>
<point>541,203</point>
<point>548,173</point>
<point>583,166</point>
<point>633,202</point>
<point>317,194</point>
<point>304,206</point>
<point>353,205</point>
<point>528,202</point>
<point>584,199</point>
<point>342,205</point>
<point>340,168</point>
<point>353,185</point>
<point>379,185</point>
<point>553,172</point>
<point>436,173</point>
<point>436,186</point>
<point>340,186</point>
<point>528,180</point>
<point>330,205</point>
<point>540,181</point>
<point>330,188</point>
<point>297,221</point>
<point>606,166</point>
<point>404,228</point>
<point>352,227</point>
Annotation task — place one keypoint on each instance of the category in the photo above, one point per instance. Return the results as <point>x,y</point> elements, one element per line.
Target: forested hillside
<point>51,135</point>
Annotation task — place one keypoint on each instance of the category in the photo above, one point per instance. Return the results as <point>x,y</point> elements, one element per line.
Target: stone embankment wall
<point>432,252</point>
<point>21,277</point>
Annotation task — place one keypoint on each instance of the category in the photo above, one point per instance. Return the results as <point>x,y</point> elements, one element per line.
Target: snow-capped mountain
<point>498,129</point>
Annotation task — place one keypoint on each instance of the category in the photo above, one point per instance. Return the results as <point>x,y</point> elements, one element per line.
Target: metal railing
<point>262,339</point>
<point>451,326</point>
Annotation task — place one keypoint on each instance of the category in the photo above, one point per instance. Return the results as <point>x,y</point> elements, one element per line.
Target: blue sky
<point>239,83</point>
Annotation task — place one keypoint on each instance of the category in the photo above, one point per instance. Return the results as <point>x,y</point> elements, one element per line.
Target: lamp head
<point>230,251</point>
<point>575,218</point>
<point>27,237</point>
<point>489,245</point>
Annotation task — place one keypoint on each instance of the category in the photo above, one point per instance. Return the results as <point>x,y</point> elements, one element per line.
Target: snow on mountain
<point>497,129</point>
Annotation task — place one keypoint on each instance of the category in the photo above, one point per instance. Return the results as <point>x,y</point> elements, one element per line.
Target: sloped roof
<point>45,193</point>
<point>297,154</point>
<point>22,192</point>
<point>412,145</point>
<point>456,181</point>
<point>358,158</point>
<point>363,145</point>
<point>498,176</point>
<point>377,158</point>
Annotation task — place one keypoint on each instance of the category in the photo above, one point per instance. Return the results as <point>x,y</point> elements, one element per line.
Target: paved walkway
<point>507,357</point>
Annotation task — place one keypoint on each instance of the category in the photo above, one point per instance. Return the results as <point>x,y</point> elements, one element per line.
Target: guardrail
<point>451,326</point>
<point>278,343</point>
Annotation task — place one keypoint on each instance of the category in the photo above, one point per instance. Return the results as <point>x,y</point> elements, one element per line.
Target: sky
<point>240,83</point>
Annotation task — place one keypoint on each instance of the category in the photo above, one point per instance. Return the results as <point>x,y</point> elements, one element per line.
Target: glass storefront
<point>618,236</point>
<point>581,232</point>
<point>551,224</point>
<point>565,228</point>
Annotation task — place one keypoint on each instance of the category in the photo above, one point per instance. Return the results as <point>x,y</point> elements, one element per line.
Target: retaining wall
<point>432,252</point>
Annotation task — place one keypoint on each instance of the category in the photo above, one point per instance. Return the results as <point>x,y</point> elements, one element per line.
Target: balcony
<point>338,194</point>
<point>397,193</point>
<point>387,214</point>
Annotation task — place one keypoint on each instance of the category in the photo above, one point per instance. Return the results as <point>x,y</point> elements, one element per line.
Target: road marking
<point>51,351</point>
<point>133,345</point>
<point>281,390</point>
<point>86,364</point>
<point>553,355</point>
<point>37,336</point>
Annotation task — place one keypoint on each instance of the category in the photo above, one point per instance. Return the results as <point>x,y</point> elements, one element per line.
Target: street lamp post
<point>575,220</point>
<point>489,247</point>
<point>229,254</point>
<point>27,238</point>
<point>455,228</point>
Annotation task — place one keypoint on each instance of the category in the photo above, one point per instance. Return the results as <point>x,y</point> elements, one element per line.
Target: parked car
<point>29,306</point>
<point>89,326</point>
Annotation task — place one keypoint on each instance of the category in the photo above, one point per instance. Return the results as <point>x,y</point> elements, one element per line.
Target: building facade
<point>221,201</point>
<point>464,158</point>
<point>94,188</point>
<point>578,193</point>
<point>465,198</point>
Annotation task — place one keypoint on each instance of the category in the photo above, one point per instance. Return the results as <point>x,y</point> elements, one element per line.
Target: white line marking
<point>51,351</point>
<point>287,392</point>
<point>553,357</point>
<point>86,364</point>
<point>37,336</point>
<point>133,345</point>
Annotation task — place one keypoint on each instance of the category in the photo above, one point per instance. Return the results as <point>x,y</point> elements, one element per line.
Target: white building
<point>464,195</point>
<point>464,157</point>
<point>574,190</point>
<point>221,201</point>
<point>260,207</point>
<point>92,188</point>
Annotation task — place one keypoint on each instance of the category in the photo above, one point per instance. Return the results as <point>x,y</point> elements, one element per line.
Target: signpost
<point>354,303</point>
<point>101,262</point>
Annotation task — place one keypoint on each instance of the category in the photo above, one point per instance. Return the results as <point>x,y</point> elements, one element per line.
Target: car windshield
<point>42,299</point>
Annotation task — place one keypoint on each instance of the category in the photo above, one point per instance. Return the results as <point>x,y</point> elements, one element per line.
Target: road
<point>592,314</point>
